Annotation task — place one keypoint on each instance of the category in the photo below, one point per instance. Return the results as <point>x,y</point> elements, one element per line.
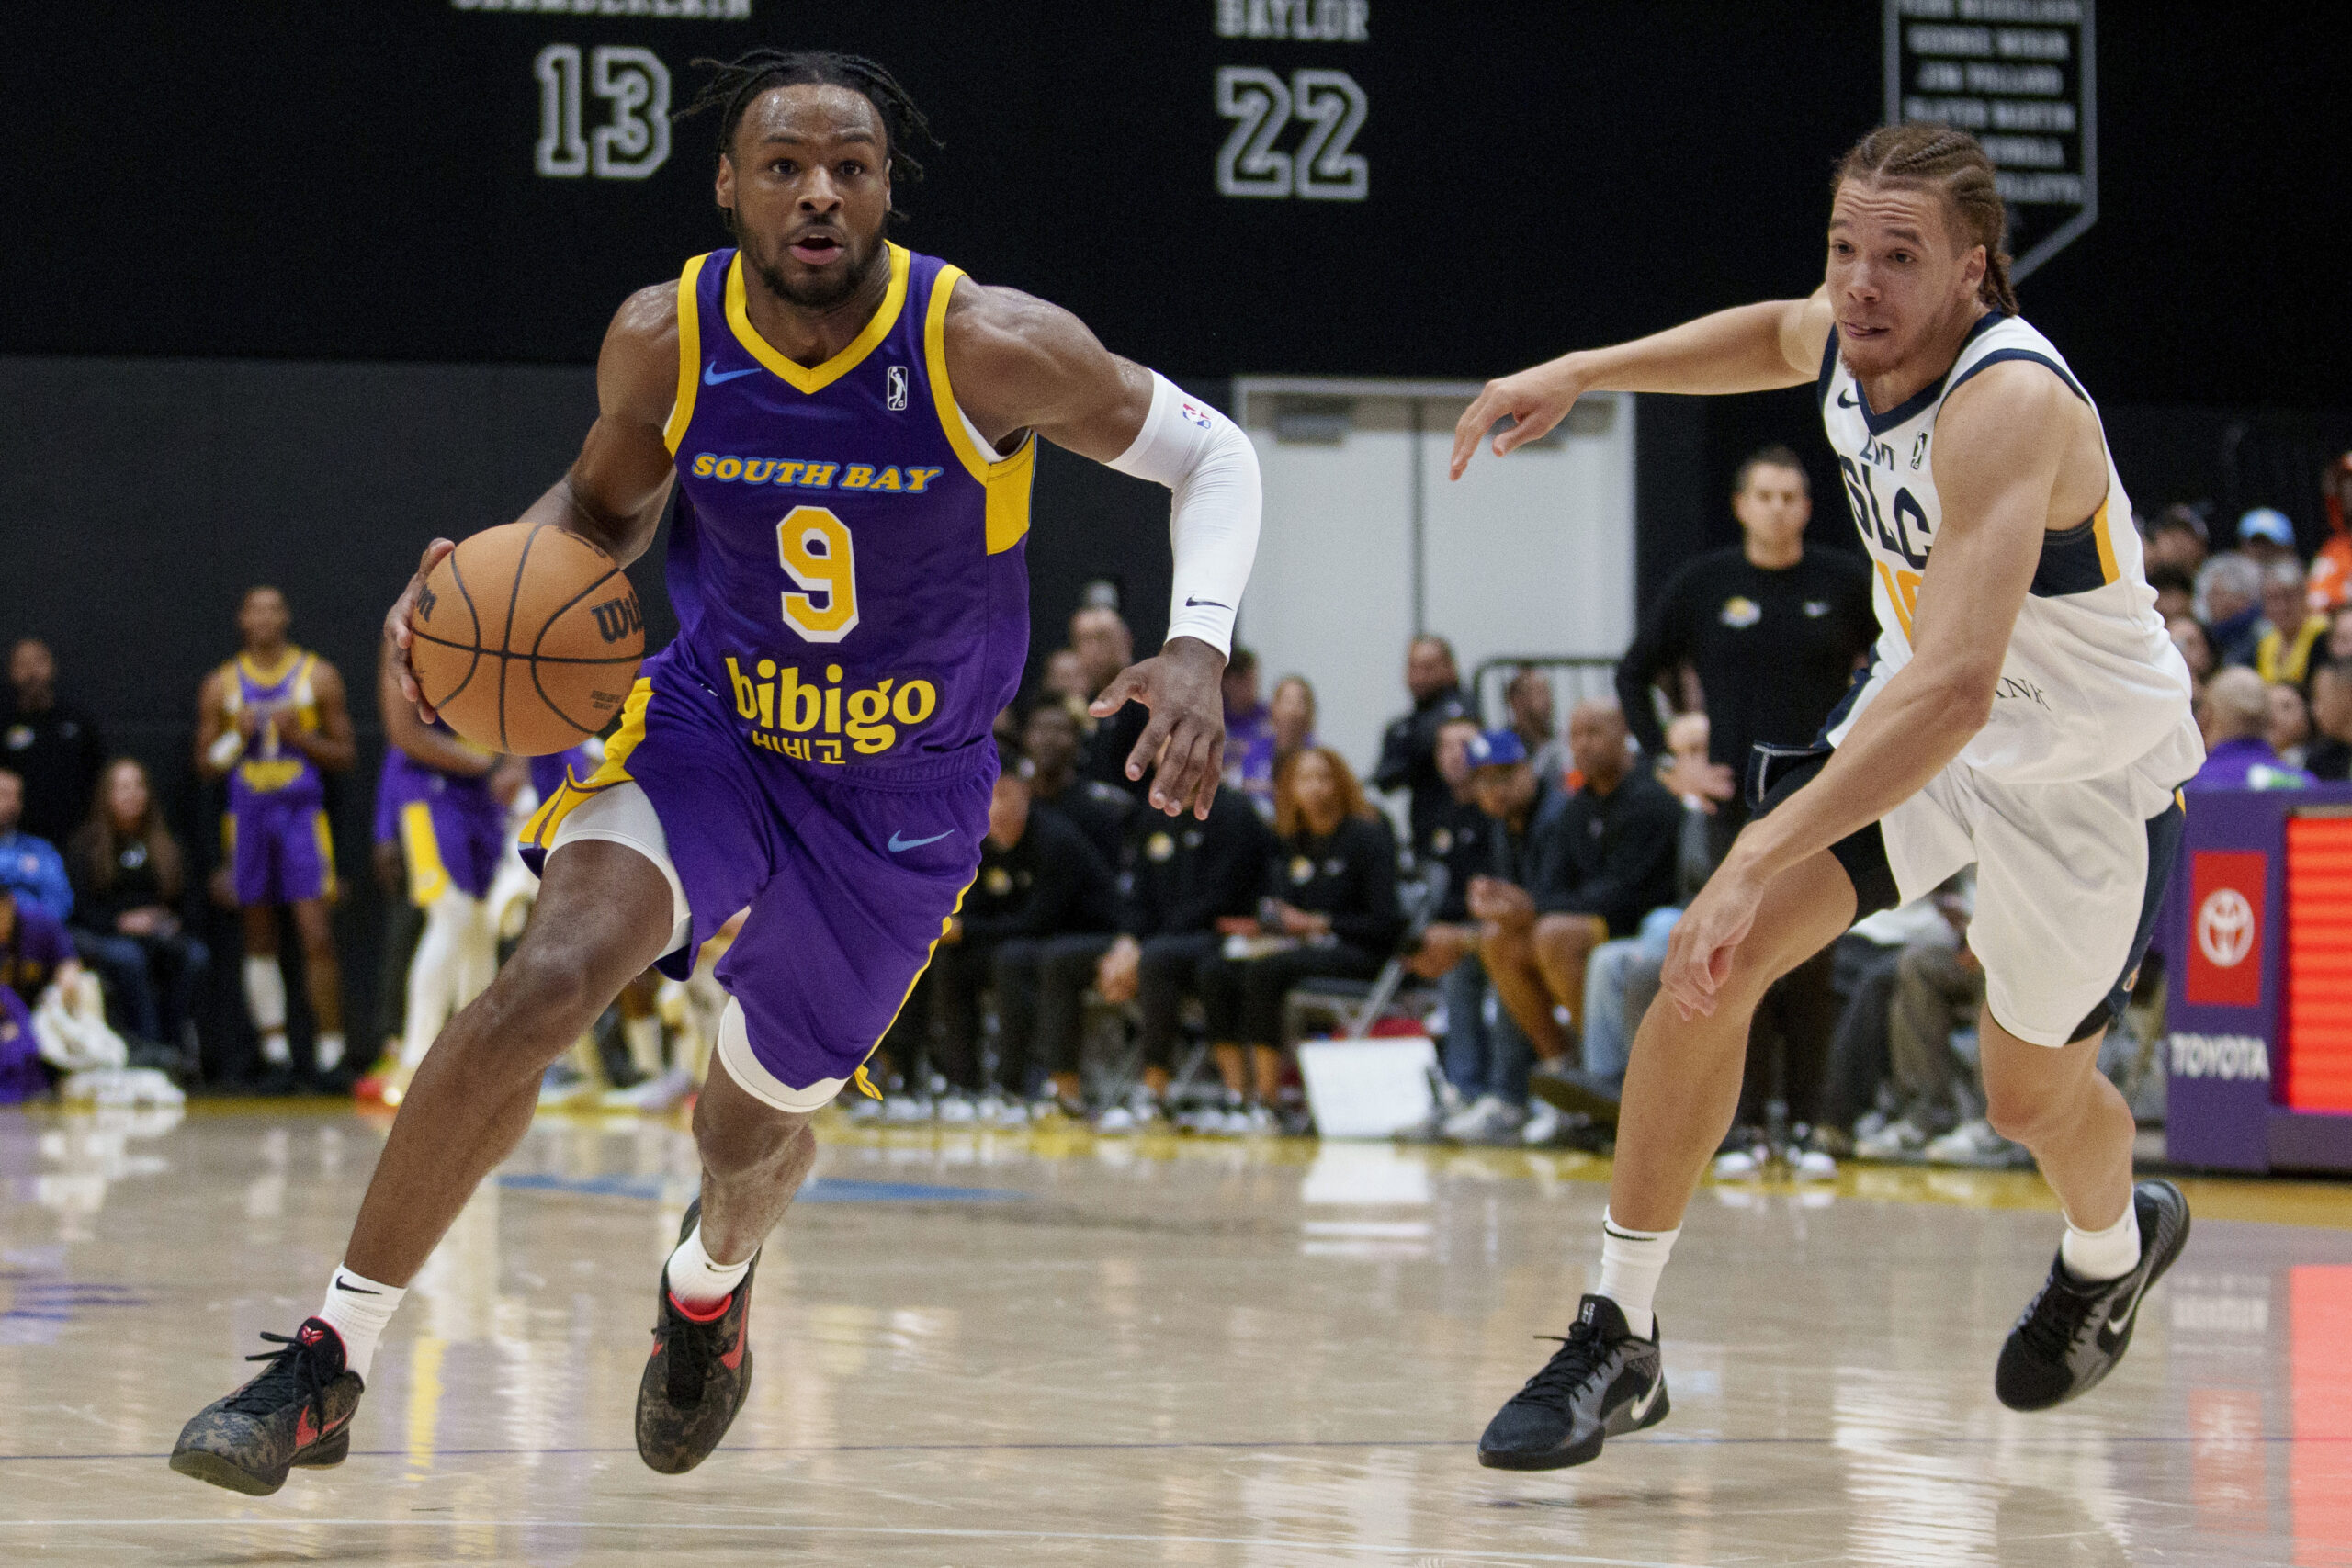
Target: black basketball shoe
<point>298,1412</point>
<point>697,1377</point>
<point>1603,1381</point>
<point>2073,1334</point>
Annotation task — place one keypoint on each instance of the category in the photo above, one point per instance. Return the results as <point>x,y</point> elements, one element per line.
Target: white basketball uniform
<point>2091,733</point>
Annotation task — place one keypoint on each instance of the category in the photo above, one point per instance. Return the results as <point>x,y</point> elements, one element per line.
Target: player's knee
<point>552,983</point>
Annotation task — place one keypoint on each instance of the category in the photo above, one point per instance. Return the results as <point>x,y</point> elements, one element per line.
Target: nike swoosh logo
<point>900,845</point>
<point>1845,401</point>
<point>2122,1321</point>
<point>711,378</point>
<point>1641,1408</point>
<point>356,1290</point>
<point>1190,602</point>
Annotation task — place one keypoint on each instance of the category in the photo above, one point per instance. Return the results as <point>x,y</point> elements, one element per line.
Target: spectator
<point>1330,909</point>
<point>1187,884</point>
<point>2339,633</point>
<point>2176,541</point>
<point>1249,728</point>
<point>2175,593</point>
<point>1866,961</point>
<point>1099,636</point>
<point>2291,627</point>
<point>1600,862</point>
<point>1064,679</point>
<point>128,878</point>
<point>2236,714</point>
<point>1408,746</point>
<point>2290,731</point>
<point>1939,988</point>
<point>1039,879</point>
<point>1050,739</point>
<point>2330,757</point>
<point>1485,1063</point>
<point>2265,536</point>
<point>54,748</point>
<point>2196,644</point>
<point>1773,631</point>
<point>30,868</point>
<point>35,952</point>
<point>1528,700</point>
<point>2229,601</point>
<point>1292,712</point>
<point>2331,579</point>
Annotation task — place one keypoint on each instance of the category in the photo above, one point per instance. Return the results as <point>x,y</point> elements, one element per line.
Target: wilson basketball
<point>528,639</point>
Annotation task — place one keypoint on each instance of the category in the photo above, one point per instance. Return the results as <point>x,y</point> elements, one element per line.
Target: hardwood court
<point>991,1349</point>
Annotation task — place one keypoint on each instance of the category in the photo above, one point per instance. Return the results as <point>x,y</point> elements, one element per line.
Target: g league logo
<point>895,381</point>
<point>2225,927</point>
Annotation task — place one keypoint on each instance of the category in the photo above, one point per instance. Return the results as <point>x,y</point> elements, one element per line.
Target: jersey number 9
<point>814,547</point>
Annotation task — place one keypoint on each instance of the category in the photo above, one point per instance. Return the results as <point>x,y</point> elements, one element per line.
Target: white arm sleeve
<point>1205,459</point>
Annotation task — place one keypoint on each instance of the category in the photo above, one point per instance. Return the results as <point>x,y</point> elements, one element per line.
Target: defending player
<point>2024,711</point>
<point>852,429</point>
<point>274,720</point>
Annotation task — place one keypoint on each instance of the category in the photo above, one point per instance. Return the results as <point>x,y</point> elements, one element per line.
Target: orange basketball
<point>528,639</point>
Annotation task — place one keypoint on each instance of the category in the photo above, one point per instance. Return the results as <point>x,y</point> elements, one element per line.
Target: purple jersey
<point>271,770</point>
<point>452,828</point>
<point>37,944</point>
<point>847,559</point>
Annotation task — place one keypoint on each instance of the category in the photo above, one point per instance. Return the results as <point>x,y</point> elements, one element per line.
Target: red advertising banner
<point>2226,890</point>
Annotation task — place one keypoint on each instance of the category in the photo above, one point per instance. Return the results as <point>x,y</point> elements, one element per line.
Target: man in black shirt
<point>1600,863</point>
<point>1773,629</point>
<point>1183,880</point>
<point>2330,757</point>
<point>1039,879</point>
<point>1099,636</point>
<point>1408,746</point>
<point>57,750</point>
<point>1100,811</point>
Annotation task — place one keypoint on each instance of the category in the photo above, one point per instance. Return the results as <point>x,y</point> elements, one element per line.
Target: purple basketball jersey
<point>846,560</point>
<point>271,772</point>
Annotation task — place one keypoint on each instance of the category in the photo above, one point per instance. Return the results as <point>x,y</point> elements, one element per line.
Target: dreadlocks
<point>736,84</point>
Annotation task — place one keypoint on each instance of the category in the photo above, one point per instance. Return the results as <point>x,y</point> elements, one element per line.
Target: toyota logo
<point>2225,927</point>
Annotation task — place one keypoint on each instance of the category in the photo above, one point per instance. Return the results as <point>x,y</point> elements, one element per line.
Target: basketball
<point>528,639</point>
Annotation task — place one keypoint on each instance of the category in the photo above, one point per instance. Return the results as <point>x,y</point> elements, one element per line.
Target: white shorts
<point>2067,877</point>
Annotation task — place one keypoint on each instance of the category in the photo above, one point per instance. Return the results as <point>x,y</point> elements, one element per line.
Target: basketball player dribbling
<point>273,721</point>
<point>2024,711</point>
<point>852,429</point>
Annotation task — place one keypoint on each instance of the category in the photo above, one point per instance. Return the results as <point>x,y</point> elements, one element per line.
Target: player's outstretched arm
<point>615,491</point>
<point>1021,363</point>
<point>1751,348</point>
<point>2001,442</point>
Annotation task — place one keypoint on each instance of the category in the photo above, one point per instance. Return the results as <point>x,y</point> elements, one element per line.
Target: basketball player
<point>851,430</point>
<point>274,720</point>
<point>2024,711</point>
<point>436,795</point>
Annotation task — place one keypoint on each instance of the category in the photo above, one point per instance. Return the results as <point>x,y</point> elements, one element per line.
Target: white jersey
<point>2091,683</point>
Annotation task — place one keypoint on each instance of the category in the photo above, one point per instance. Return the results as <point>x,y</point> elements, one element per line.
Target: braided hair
<point>1952,162</point>
<point>735,84</point>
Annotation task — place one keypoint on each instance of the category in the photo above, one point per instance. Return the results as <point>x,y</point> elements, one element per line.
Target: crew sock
<point>358,1308</point>
<point>1631,1262</point>
<point>330,1052</point>
<point>698,1282</point>
<point>2092,1256</point>
<point>265,1005</point>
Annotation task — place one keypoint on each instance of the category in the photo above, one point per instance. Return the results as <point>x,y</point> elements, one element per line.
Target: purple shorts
<point>280,851</point>
<point>850,883</point>
<point>451,829</point>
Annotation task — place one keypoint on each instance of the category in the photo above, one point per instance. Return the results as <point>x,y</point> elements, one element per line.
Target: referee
<point>1773,630</point>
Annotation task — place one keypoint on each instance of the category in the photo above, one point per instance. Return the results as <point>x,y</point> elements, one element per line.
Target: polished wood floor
<point>1046,1349</point>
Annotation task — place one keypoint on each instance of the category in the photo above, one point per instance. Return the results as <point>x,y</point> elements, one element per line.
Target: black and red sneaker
<point>698,1374</point>
<point>298,1412</point>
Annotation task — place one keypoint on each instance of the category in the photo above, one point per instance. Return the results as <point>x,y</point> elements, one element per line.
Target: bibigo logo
<point>2225,927</point>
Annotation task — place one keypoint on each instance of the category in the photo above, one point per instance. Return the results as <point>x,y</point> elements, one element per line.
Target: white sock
<point>330,1052</point>
<point>696,1280</point>
<point>644,1037</point>
<point>2094,1255</point>
<point>265,1005</point>
<point>358,1308</point>
<point>433,973</point>
<point>1631,1262</point>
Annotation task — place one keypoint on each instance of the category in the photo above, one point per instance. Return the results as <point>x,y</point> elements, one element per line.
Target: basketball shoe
<point>2073,1334</point>
<point>1602,1381</point>
<point>297,1412</point>
<point>697,1376</point>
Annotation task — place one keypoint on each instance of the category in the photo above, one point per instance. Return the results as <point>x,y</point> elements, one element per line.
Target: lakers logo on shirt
<point>1740,611</point>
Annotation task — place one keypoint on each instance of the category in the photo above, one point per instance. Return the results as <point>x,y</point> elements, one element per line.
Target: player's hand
<point>1185,742</point>
<point>1535,400</point>
<point>1120,973</point>
<point>1699,954</point>
<point>397,627</point>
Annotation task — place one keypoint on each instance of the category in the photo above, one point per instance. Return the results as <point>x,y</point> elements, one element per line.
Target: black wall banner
<point>1316,186</point>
